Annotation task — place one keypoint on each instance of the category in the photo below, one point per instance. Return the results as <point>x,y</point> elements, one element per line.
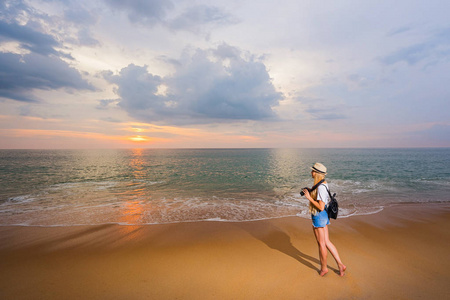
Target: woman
<point>318,199</point>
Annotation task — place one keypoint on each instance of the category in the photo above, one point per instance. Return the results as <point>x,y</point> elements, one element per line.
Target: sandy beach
<point>399,253</point>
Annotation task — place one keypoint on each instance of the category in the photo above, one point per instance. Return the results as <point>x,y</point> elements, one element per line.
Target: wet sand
<point>399,253</point>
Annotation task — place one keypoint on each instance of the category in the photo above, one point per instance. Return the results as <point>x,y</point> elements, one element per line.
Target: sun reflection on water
<point>133,210</point>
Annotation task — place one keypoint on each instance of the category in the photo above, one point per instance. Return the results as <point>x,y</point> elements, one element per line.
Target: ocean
<point>156,186</point>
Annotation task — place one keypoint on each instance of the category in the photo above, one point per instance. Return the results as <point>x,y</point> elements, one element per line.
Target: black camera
<point>301,192</point>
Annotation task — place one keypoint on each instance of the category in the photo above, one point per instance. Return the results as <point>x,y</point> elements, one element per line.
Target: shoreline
<point>400,252</point>
<point>302,216</point>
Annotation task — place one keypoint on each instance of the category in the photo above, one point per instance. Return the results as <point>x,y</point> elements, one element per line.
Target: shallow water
<point>147,186</point>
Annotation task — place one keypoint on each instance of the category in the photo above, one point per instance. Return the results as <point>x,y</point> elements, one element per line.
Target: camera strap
<point>316,185</point>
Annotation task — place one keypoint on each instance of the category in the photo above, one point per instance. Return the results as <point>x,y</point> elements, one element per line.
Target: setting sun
<point>139,139</point>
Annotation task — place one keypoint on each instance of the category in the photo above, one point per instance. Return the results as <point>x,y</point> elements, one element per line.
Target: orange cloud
<point>146,127</point>
<point>248,138</point>
<point>26,133</point>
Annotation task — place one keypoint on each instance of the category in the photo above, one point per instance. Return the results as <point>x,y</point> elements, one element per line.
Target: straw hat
<point>319,168</point>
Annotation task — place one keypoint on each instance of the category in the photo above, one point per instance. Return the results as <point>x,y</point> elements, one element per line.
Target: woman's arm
<point>320,205</point>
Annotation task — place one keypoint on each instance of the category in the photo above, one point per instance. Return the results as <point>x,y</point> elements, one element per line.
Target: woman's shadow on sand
<point>277,239</point>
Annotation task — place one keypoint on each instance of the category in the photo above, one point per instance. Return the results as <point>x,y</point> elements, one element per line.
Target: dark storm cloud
<point>206,87</point>
<point>19,74</point>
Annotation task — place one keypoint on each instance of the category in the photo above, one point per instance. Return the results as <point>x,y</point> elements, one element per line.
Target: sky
<point>224,74</point>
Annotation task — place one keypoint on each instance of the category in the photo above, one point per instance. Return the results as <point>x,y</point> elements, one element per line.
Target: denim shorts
<point>321,219</point>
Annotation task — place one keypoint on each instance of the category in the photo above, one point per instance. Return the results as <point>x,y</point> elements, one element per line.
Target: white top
<point>322,193</point>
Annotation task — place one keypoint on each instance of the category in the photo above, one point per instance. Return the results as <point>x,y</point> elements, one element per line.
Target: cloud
<point>85,38</point>
<point>436,48</point>
<point>104,103</point>
<point>42,67</point>
<point>155,12</point>
<point>78,15</point>
<point>29,39</point>
<point>321,109</point>
<point>358,81</point>
<point>399,30</point>
<point>10,9</point>
<point>138,89</point>
<point>139,11</point>
<point>40,32</point>
<point>83,18</point>
<point>411,55</point>
<point>208,86</point>
<point>325,114</point>
<point>195,17</point>
<point>20,74</point>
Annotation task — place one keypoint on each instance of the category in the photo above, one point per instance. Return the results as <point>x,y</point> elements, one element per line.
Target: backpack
<point>333,206</point>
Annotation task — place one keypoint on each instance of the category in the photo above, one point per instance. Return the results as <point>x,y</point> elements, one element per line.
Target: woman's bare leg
<point>330,246</point>
<point>323,252</point>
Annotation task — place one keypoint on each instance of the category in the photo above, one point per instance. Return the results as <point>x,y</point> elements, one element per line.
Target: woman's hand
<point>307,195</point>
<point>320,205</point>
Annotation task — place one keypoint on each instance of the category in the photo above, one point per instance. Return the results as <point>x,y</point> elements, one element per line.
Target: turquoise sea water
<point>146,186</point>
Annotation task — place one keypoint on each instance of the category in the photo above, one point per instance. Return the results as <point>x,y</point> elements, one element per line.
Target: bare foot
<point>323,272</point>
<point>342,269</point>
